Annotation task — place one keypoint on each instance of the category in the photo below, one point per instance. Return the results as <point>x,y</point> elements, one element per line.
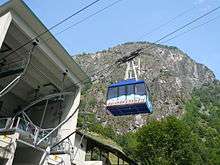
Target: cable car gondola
<point>130,96</point>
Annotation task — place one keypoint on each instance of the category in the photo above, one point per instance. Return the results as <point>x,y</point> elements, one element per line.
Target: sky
<point>130,20</point>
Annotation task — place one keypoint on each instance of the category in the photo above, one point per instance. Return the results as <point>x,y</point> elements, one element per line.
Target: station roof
<point>92,141</point>
<point>33,22</point>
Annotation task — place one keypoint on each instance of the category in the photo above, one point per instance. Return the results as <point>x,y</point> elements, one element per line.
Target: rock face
<point>170,74</point>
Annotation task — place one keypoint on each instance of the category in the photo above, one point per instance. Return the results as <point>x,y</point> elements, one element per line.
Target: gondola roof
<point>126,82</point>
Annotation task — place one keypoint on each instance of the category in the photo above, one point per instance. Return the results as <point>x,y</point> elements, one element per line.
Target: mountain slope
<point>170,74</point>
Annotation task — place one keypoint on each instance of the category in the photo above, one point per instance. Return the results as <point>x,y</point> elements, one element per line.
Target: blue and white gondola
<point>128,97</point>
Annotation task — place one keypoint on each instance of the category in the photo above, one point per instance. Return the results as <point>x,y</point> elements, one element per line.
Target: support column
<point>70,126</point>
<point>71,107</point>
<point>91,154</point>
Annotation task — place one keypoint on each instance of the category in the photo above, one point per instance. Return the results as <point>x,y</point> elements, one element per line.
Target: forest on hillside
<point>193,138</point>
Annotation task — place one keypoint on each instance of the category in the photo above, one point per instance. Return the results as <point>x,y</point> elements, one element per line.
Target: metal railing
<point>34,132</point>
<point>21,124</point>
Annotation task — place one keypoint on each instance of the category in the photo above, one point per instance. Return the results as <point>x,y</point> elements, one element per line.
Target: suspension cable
<point>193,28</point>
<point>51,28</point>
<point>134,55</point>
<point>167,22</point>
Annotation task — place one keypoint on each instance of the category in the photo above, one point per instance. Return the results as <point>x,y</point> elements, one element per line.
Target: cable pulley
<point>129,57</point>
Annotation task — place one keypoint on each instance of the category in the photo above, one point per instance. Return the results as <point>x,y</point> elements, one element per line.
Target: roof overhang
<point>22,14</point>
<point>105,147</point>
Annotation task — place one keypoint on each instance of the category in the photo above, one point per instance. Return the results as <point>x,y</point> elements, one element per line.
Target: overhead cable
<point>189,23</point>
<point>191,29</point>
<point>51,28</point>
<point>179,29</point>
<point>167,22</point>
<point>88,17</point>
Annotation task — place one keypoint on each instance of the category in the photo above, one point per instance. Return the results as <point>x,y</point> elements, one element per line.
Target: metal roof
<point>33,22</point>
<point>126,82</point>
<point>92,141</point>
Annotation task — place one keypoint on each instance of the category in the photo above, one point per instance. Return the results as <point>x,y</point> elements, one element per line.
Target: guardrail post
<point>18,121</point>
<point>37,131</point>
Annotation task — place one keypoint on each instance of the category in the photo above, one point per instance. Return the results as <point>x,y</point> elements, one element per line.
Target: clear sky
<point>129,20</point>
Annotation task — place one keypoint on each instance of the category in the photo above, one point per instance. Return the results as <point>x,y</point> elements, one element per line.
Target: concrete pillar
<point>70,126</point>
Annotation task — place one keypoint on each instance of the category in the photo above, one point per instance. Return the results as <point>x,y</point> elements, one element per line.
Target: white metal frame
<point>133,69</point>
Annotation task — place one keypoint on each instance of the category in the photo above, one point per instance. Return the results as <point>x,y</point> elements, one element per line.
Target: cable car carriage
<point>130,96</point>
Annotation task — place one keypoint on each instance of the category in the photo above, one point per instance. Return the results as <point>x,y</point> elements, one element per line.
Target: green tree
<point>167,142</point>
<point>203,116</point>
<point>129,143</point>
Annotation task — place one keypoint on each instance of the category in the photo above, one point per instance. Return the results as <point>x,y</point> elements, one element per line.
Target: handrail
<point>38,134</point>
<point>27,126</point>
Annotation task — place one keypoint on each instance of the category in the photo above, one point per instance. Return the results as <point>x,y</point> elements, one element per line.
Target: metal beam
<point>45,98</point>
<point>42,119</point>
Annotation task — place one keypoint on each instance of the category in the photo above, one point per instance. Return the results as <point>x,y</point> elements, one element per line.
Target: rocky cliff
<point>170,74</point>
